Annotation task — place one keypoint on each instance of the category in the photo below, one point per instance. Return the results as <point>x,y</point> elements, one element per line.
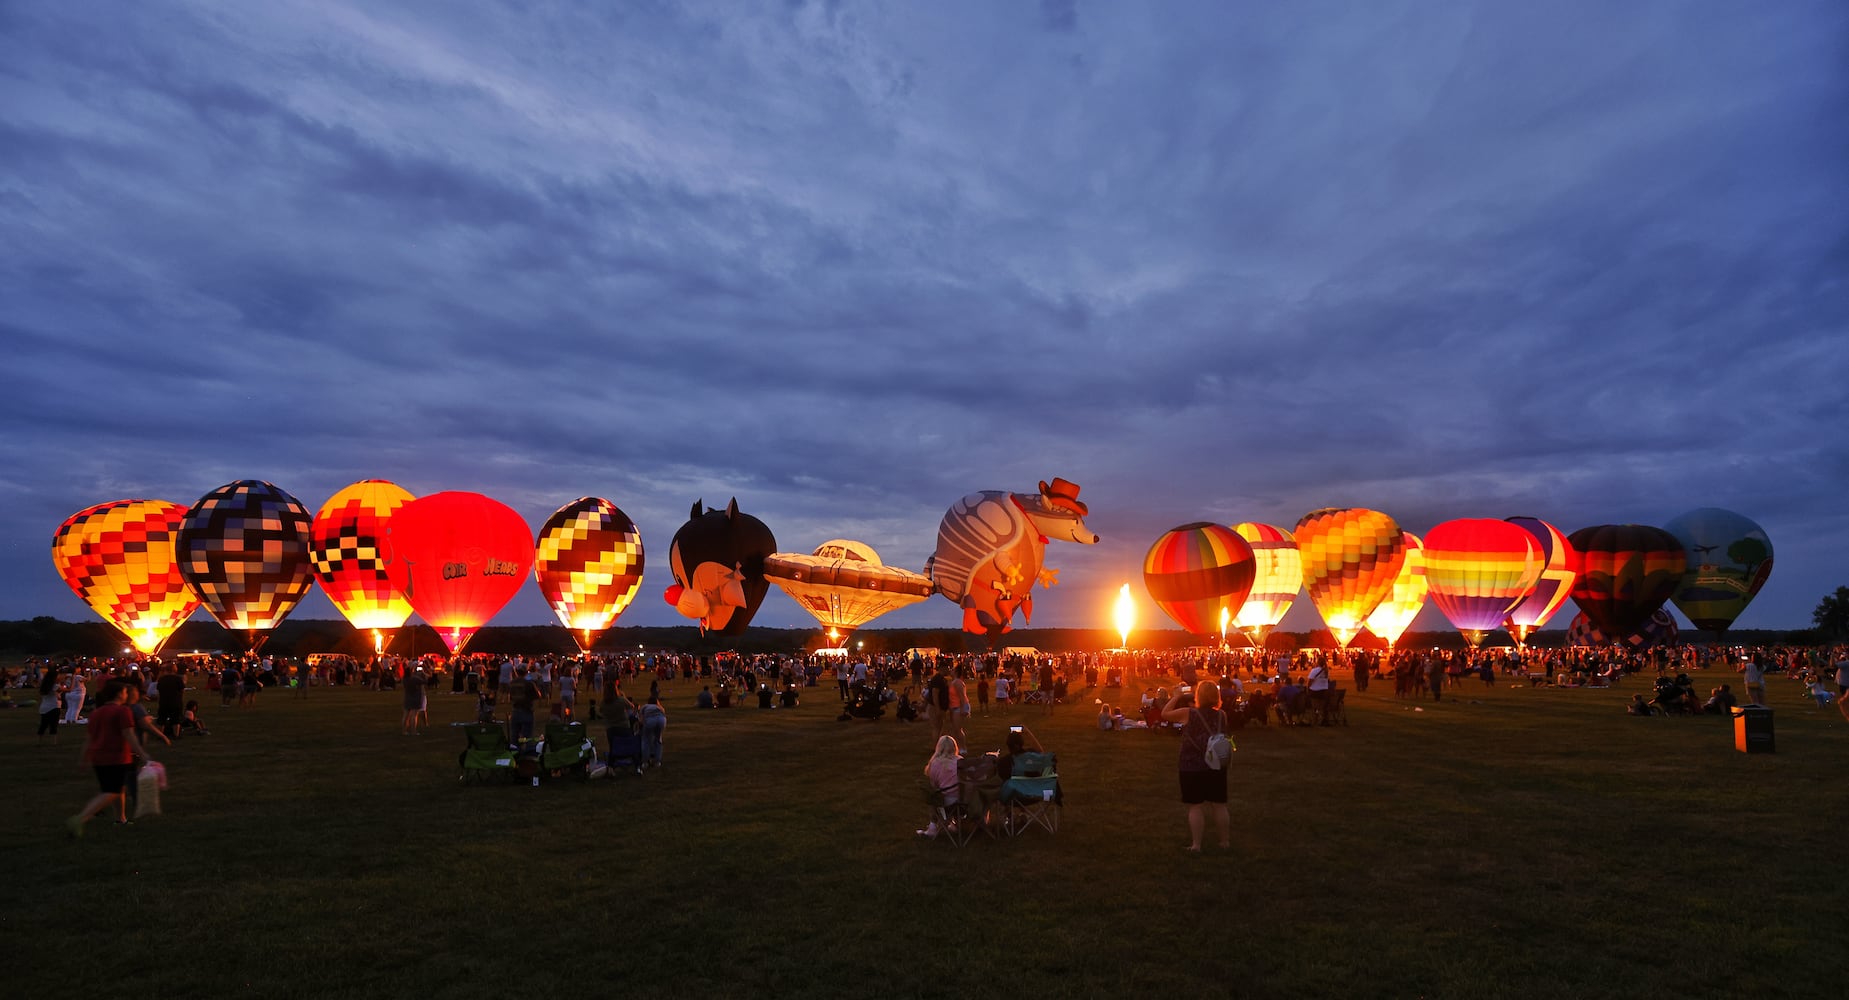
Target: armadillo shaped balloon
<point>458,558</point>
<point>717,558</point>
<point>120,558</point>
<point>990,547</point>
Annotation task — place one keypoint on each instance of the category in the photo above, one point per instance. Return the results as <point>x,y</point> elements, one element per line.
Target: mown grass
<point>1512,842</point>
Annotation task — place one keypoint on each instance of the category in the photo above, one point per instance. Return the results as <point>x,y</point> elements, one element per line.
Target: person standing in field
<point>413,700</point>
<point>654,727</point>
<point>48,706</point>
<point>74,695</point>
<point>1755,680</point>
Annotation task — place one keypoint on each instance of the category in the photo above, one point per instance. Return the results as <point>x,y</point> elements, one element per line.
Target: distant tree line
<point>47,636</point>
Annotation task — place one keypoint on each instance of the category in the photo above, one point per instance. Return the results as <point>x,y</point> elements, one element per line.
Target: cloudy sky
<point>849,261</point>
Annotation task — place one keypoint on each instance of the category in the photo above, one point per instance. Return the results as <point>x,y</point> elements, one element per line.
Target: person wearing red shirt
<point>113,751</point>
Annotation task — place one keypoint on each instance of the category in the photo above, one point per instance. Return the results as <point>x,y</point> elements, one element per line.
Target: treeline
<point>47,636</point>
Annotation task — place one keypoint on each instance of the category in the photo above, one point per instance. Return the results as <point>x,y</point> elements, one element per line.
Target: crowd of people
<point>1214,691</point>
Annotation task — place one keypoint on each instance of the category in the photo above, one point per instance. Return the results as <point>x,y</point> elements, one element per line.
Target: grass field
<point>1510,842</point>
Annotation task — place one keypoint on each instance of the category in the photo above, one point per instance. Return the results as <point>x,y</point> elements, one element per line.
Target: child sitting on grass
<point>189,721</point>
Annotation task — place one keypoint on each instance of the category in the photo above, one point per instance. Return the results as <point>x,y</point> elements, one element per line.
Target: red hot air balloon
<point>1199,574</point>
<point>458,558</point>
<point>1626,573</point>
<point>1478,569</point>
<point>589,565</point>
<point>1560,567</point>
<point>119,557</point>
<point>244,550</point>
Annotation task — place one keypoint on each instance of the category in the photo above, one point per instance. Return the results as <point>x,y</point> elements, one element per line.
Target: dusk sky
<point>849,261</point>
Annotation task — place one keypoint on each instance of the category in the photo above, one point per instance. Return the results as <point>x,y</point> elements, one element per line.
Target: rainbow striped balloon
<point>1276,581</point>
<point>1395,614</point>
<point>1478,569</point>
<point>1351,556</point>
<point>1197,571</point>
<point>1560,567</point>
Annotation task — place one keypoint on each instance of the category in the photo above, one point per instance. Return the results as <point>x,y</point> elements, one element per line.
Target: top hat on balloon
<point>1063,493</point>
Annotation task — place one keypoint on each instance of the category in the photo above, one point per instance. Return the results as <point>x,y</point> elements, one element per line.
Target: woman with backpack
<point>1204,753</point>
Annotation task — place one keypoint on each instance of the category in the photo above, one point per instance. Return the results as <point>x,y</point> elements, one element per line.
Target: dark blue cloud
<point>848,263</point>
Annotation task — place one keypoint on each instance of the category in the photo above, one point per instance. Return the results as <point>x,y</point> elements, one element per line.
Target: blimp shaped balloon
<point>844,585</point>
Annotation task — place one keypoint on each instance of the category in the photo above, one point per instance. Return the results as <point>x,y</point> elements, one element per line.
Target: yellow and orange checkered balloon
<point>588,561</point>
<point>347,543</point>
<point>119,557</point>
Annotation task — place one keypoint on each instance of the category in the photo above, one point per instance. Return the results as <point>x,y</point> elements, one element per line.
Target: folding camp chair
<point>486,754</point>
<point>955,821</point>
<point>567,749</point>
<point>1337,711</point>
<point>1031,795</point>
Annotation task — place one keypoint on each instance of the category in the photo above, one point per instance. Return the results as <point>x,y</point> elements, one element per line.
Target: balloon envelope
<point>244,551</point>
<point>717,558</point>
<point>1277,577</point>
<point>1478,570</point>
<point>844,585</point>
<point>588,561</point>
<point>1197,571</point>
<point>347,543</point>
<point>1729,559</point>
<point>1396,611</point>
<point>458,558</point>
<point>1351,558</point>
<point>1559,568</point>
<point>120,558</point>
<point>1626,573</point>
<point>1659,629</point>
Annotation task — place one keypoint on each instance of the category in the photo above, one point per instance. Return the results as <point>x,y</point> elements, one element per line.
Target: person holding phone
<point>1201,785</point>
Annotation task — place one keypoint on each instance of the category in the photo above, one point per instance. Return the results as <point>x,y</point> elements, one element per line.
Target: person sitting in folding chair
<point>941,773</point>
<point>1030,792</point>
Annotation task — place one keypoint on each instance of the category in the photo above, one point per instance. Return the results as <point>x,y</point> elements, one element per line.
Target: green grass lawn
<point>1508,842</point>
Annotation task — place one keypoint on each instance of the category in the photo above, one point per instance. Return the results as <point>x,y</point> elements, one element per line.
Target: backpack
<point>1218,750</point>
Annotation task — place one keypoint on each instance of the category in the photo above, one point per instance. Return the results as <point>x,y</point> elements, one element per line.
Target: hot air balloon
<point>1351,557</point>
<point>1626,572</point>
<point>589,565</point>
<point>244,551</point>
<point>1276,579</point>
<point>458,558</point>
<point>347,543</point>
<point>1403,603</point>
<point>1658,630</point>
<point>1729,559</point>
<point>1479,569</point>
<point>1196,571</point>
<point>844,585</point>
<point>119,557</point>
<point>717,558</point>
<point>991,546</point>
<point>1559,568</point>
